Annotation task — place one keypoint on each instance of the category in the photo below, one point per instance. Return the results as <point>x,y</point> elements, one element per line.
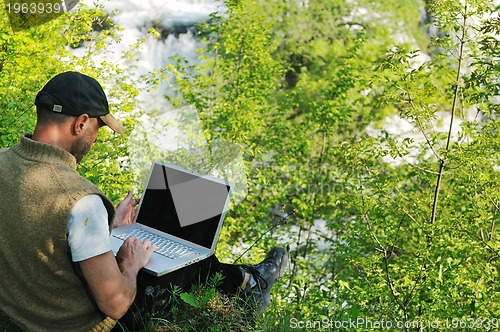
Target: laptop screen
<point>183,204</point>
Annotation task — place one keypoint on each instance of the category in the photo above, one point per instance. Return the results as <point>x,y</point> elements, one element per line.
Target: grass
<point>203,308</point>
<point>211,311</point>
<point>221,313</point>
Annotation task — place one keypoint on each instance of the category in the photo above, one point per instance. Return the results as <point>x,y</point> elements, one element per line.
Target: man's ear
<point>80,123</point>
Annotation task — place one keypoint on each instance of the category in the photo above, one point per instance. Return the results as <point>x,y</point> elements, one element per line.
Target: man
<point>57,271</point>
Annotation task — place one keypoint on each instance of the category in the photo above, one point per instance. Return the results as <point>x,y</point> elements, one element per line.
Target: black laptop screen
<point>183,204</point>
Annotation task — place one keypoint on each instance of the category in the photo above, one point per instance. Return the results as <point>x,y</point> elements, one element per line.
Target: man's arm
<point>113,281</point>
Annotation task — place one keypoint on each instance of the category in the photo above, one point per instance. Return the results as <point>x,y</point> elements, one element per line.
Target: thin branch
<point>427,139</point>
<point>412,291</point>
<point>453,109</point>
<point>420,125</point>
<point>495,251</point>
<point>370,227</point>
<point>497,208</point>
<point>418,167</point>
<point>393,289</point>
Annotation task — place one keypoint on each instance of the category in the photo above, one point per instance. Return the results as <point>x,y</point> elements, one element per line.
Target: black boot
<point>258,279</point>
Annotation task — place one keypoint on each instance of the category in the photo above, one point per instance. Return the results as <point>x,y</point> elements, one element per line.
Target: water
<point>173,19</point>
<point>169,131</point>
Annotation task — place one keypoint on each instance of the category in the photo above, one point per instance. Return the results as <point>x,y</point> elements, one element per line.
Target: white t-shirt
<point>88,230</point>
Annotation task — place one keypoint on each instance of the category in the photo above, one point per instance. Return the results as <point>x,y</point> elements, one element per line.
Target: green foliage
<point>198,303</point>
<point>384,225</point>
<point>29,58</point>
<point>370,238</point>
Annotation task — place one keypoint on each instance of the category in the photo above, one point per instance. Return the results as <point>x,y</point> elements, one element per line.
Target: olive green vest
<point>39,289</point>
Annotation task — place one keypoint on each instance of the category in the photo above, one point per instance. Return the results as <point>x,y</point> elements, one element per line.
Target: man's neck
<point>53,135</point>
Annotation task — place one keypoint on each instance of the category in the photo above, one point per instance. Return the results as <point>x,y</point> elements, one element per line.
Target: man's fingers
<point>128,198</point>
<point>152,248</point>
<point>149,247</point>
<point>135,244</point>
<point>131,239</point>
<point>134,202</point>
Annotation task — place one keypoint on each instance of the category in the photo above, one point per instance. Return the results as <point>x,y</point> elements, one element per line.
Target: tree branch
<point>453,109</point>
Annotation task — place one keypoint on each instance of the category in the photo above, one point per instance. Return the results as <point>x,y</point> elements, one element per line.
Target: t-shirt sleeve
<point>88,230</point>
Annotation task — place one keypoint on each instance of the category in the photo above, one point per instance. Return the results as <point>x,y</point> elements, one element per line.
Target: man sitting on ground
<point>57,270</point>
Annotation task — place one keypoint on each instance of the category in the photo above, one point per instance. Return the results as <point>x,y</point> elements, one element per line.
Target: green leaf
<point>190,299</point>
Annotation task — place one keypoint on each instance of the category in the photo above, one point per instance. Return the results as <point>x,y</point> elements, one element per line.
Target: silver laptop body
<point>181,207</point>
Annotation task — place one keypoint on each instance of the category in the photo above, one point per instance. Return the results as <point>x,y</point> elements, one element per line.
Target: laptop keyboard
<point>164,246</point>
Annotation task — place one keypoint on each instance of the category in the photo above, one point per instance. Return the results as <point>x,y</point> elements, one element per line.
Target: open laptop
<point>181,212</point>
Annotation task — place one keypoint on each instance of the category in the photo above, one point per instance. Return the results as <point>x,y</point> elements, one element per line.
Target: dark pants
<point>154,293</point>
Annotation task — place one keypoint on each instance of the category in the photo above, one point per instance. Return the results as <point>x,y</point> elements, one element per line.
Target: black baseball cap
<point>73,93</point>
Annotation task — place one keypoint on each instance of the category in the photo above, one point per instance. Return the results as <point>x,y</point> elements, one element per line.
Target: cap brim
<point>112,123</point>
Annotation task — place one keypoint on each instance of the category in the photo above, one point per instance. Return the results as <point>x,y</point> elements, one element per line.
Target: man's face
<point>81,146</point>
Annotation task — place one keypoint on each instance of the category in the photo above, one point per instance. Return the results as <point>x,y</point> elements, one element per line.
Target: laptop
<point>181,212</point>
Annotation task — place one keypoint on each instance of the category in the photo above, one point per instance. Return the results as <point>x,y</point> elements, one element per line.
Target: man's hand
<point>134,254</point>
<point>125,211</point>
<point>114,285</point>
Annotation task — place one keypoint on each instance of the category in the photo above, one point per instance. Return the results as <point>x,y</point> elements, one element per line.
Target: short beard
<point>80,148</point>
